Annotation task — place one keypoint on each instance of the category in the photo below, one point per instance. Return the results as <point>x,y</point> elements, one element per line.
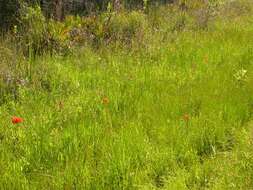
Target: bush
<point>168,19</point>
<point>121,28</point>
<point>127,26</point>
<point>237,8</point>
<point>36,35</point>
<point>107,28</point>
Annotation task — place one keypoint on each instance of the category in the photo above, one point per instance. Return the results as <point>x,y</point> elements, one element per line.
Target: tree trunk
<point>117,5</point>
<point>58,10</point>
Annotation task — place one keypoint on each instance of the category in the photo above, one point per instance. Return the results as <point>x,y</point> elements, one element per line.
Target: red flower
<point>105,101</point>
<point>16,120</point>
<point>186,117</point>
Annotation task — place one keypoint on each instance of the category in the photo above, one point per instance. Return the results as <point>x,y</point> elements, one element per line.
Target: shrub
<point>237,8</point>
<point>32,30</point>
<point>107,28</point>
<point>37,36</point>
<point>168,19</point>
<point>124,27</point>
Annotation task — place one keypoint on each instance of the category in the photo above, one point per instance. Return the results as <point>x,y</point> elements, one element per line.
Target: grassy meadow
<point>166,103</point>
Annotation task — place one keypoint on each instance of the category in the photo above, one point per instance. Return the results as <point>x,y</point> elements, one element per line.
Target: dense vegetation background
<point>9,9</point>
<point>152,95</point>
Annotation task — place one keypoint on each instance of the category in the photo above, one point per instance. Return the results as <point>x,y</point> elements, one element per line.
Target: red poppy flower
<point>186,117</point>
<point>105,101</point>
<point>16,120</point>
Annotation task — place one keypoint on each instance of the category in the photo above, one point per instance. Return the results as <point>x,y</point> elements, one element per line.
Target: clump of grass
<point>11,71</point>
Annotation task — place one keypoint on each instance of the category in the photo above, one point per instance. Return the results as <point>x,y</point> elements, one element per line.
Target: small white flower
<point>240,75</point>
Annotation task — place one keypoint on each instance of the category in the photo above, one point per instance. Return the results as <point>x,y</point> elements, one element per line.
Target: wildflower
<point>16,120</point>
<point>105,100</point>
<point>206,59</point>
<point>186,117</point>
<point>241,75</point>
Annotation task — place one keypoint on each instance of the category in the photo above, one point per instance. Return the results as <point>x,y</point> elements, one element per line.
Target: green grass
<point>178,117</point>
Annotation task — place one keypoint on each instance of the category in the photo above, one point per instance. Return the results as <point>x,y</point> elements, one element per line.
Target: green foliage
<point>125,27</point>
<point>33,29</point>
<point>11,72</point>
<point>37,36</point>
<point>107,28</point>
<point>9,12</point>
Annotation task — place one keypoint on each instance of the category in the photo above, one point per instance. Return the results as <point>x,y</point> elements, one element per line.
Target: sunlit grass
<point>173,115</point>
